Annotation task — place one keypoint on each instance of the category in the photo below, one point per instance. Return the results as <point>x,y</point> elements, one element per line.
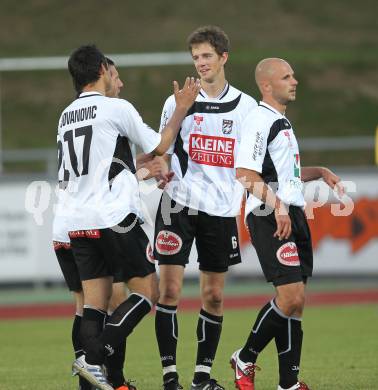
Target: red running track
<point>53,310</point>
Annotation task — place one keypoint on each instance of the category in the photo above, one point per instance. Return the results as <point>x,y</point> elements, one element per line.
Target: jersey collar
<point>88,94</point>
<point>219,97</point>
<point>270,108</point>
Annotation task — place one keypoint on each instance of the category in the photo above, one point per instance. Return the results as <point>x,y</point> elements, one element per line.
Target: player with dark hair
<point>62,247</point>
<point>102,206</point>
<point>268,165</point>
<point>201,202</point>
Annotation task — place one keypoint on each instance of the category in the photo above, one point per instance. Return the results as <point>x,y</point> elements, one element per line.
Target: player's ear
<point>224,57</point>
<point>103,69</point>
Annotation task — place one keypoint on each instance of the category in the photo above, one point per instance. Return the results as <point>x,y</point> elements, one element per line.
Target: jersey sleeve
<point>139,133</point>
<point>168,109</point>
<point>252,149</point>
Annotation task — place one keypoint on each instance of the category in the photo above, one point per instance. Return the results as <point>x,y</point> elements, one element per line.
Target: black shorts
<point>216,239</point>
<point>68,266</point>
<point>123,250</point>
<point>286,261</point>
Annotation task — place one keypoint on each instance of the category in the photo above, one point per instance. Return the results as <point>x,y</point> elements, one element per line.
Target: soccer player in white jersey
<point>201,202</point>
<point>98,135</point>
<point>62,247</point>
<point>268,164</point>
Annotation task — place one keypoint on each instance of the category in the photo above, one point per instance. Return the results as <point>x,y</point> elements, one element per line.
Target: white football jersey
<point>269,146</point>
<point>203,154</point>
<point>98,136</point>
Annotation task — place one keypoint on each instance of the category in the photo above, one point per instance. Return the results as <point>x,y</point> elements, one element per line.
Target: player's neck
<point>214,89</point>
<point>98,86</point>
<point>273,103</point>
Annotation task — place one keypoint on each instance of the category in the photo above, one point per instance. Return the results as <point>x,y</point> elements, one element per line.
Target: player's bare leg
<point>146,286</point>
<point>166,325</point>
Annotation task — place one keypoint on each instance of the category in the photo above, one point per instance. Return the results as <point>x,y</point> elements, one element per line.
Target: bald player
<point>268,164</point>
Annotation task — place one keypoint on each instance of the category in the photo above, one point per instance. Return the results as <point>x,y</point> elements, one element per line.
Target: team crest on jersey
<point>227,126</point>
<point>168,243</point>
<point>287,254</point>
<point>198,119</point>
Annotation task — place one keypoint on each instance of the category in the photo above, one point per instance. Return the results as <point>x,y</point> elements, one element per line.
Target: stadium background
<point>333,48</point>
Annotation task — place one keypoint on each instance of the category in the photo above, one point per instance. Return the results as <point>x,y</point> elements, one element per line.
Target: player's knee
<point>213,297</point>
<point>293,305</point>
<point>170,294</point>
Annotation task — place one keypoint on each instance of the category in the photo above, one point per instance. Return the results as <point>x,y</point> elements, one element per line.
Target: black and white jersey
<point>98,136</point>
<point>203,154</point>
<point>269,146</point>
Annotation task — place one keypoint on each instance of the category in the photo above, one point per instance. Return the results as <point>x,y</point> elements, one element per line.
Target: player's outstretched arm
<point>315,173</point>
<point>253,182</point>
<point>185,98</point>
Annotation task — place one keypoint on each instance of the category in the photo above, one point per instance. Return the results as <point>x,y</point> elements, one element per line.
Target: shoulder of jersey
<point>170,100</point>
<point>245,98</point>
<point>261,116</point>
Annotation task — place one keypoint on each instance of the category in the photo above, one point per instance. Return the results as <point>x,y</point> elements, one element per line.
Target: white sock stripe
<point>288,337</point>
<point>173,327</point>
<point>261,321</point>
<point>164,310</point>
<point>201,368</point>
<point>143,297</point>
<point>203,332</point>
<point>277,310</point>
<point>125,316</point>
<point>79,314</point>
<point>209,320</point>
<point>168,369</point>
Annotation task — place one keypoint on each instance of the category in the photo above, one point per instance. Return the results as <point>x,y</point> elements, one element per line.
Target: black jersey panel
<point>269,173</point>
<point>277,126</point>
<point>181,154</point>
<point>213,107</point>
<point>122,159</point>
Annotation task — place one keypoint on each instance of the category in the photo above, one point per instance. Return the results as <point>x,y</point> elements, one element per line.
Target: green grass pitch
<point>340,351</point>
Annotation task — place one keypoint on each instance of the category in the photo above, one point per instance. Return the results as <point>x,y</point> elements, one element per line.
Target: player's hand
<point>154,167</point>
<point>333,181</point>
<point>164,179</point>
<point>186,96</point>
<point>283,222</point>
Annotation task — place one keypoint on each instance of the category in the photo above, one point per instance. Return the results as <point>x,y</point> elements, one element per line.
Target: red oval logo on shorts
<point>150,254</point>
<point>168,243</point>
<point>287,254</point>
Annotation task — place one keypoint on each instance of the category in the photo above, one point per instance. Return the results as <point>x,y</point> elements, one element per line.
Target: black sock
<point>92,324</point>
<point>269,322</point>
<point>114,363</point>
<point>122,322</point>
<point>76,342</point>
<point>289,347</point>
<point>166,329</point>
<point>78,348</point>
<point>209,328</point>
